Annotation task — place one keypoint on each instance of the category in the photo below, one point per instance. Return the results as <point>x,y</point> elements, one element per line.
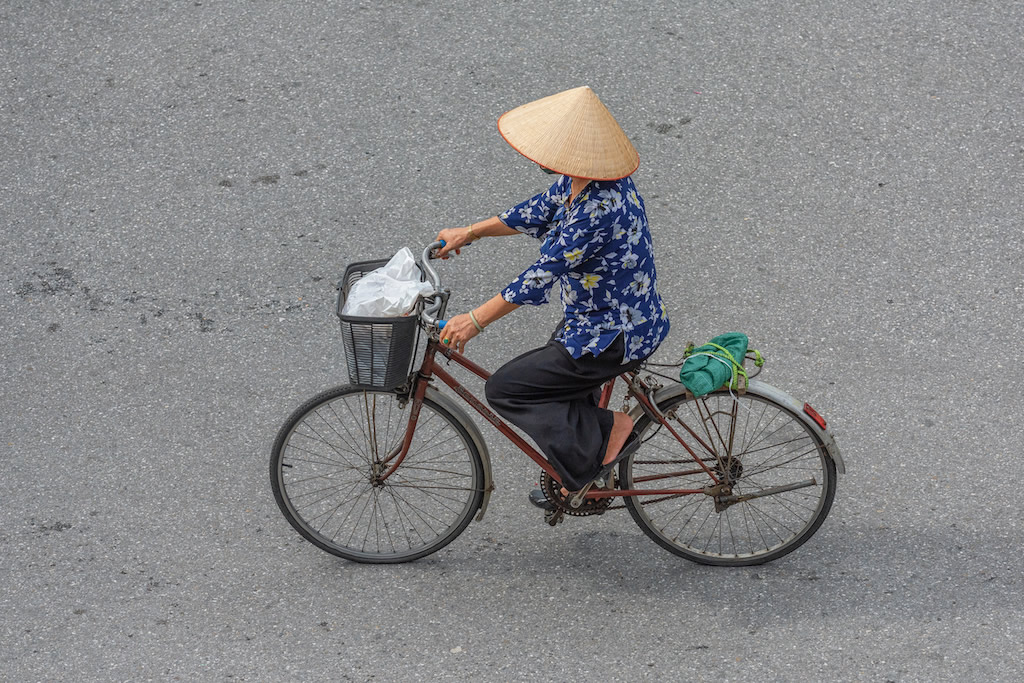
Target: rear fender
<point>767,391</point>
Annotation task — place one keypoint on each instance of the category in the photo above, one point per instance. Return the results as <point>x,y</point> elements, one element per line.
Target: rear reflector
<point>814,415</point>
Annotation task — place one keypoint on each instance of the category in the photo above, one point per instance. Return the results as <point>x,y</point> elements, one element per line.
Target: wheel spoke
<point>764,467</point>
<point>353,440</point>
<point>321,439</point>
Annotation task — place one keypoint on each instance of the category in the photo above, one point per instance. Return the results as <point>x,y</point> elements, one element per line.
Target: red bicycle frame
<point>430,368</point>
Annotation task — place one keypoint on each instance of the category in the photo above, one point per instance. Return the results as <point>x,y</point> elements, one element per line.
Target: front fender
<point>478,441</point>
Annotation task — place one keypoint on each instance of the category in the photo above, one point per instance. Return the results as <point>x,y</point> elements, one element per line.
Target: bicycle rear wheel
<point>782,479</point>
<point>325,470</point>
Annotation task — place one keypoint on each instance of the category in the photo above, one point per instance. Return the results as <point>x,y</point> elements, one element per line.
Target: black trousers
<point>553,397</point>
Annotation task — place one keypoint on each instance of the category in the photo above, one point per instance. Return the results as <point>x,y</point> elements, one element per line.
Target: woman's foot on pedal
<point>632,442</point>
<point>622,432</point>
<point>538,499</point>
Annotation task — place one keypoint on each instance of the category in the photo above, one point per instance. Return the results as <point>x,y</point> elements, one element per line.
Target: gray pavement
<point>182,182</point>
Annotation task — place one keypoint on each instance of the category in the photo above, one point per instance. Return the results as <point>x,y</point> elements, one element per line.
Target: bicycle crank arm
<point>577,499</point>
<point>554,517</point>
<point>730,500</point>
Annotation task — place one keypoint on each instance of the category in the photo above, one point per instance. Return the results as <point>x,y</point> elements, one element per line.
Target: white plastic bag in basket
<point>389,291</point>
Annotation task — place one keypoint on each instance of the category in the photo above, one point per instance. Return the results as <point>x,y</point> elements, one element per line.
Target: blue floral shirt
<point>599,249</point>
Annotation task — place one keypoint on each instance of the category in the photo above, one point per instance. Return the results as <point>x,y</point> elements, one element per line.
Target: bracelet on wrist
<point>473,234</point>
<point>475,323</point>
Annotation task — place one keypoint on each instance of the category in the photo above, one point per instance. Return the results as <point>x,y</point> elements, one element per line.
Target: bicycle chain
<point>591,506</point>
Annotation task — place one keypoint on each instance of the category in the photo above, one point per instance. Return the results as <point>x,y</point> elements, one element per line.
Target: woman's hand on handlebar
<point>455,239</point>
<point>457,331</point>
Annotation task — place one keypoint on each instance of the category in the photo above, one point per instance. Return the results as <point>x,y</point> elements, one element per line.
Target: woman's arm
<point>456,238</point>
<point>494,308</point>
<point>492,227</point>
<point>531,217</point>
<point>461,329</point>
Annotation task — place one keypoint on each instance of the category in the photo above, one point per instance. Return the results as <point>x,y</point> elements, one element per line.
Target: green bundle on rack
<point>716,363</point>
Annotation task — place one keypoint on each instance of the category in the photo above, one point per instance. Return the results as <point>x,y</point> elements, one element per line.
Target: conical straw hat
<point>571,133</point>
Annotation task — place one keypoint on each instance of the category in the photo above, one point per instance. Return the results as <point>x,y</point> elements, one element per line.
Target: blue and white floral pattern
<point>599,250</point>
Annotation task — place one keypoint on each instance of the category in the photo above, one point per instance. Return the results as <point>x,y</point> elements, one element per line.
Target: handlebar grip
<point>440,245</point>
<point>441,324</point>
<point>428,253</point>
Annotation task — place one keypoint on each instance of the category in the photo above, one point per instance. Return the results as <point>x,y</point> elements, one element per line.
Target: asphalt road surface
<point>181,184</point>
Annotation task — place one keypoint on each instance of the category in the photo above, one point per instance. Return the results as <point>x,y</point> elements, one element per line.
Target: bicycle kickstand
<point>553,517</point>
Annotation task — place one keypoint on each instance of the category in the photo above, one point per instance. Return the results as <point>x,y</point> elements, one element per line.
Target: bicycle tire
<point>771,448</point>
<point>322,474</point>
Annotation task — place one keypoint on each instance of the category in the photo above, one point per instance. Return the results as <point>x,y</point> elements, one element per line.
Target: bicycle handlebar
<point>428,270</point>
<point>435,280</point>
<point>440,295</point>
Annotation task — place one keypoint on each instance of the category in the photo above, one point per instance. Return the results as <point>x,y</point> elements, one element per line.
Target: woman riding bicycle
<point>597,246</point>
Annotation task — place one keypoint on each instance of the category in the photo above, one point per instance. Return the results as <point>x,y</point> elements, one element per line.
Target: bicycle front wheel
<point>781,479</point>
<point>326,471</point>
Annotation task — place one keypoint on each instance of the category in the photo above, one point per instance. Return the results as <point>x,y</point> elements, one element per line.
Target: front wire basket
<point>378,351</point>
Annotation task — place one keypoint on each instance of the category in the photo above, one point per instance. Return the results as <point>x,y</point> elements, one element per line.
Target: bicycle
<point>390,469</point>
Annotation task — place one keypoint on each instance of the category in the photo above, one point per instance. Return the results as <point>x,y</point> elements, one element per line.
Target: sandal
<point>538,499</point>
<point>628,448</point>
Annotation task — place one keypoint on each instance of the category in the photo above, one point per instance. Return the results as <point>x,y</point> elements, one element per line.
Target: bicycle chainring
<point>553,492</point>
